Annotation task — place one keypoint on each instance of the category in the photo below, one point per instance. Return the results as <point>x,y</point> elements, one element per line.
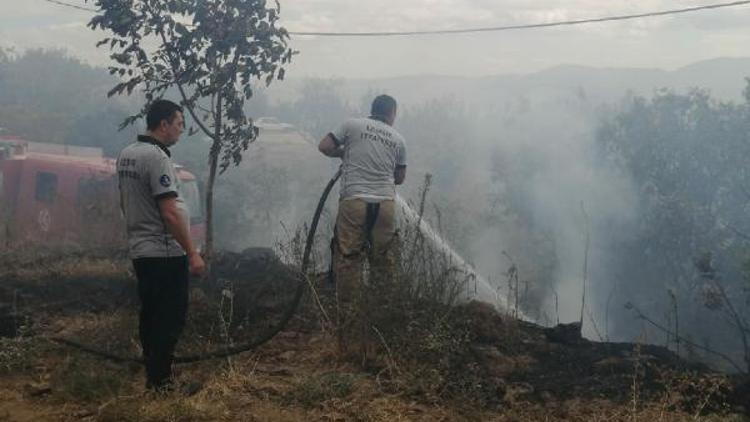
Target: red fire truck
<point>59,195</point>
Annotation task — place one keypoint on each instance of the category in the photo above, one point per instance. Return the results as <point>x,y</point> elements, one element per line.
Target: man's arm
<point>177,225</point>
<point>330,148</point>
<point>399,175</point>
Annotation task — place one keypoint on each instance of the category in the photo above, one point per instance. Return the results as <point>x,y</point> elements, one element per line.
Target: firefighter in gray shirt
<point>159,240</point>
<point>373,158</point>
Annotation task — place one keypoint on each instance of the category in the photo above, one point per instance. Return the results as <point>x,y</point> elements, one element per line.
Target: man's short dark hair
<point>161,110</point>
<point>383,106</point>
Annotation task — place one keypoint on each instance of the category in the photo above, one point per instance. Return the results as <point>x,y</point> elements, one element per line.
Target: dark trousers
<point>163,291</point>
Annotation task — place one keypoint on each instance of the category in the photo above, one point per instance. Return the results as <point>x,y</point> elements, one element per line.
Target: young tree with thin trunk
<point>212,52</point>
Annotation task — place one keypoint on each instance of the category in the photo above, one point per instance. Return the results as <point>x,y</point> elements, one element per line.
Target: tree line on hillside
<point>49,96</point>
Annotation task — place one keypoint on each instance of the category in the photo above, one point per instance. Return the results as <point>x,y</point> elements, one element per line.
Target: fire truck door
<point>46,193</point>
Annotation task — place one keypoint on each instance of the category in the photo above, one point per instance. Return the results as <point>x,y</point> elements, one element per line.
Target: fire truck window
<point>46,187</point>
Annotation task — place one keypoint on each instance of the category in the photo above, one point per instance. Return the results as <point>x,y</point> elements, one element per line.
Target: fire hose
<point>302,282</point>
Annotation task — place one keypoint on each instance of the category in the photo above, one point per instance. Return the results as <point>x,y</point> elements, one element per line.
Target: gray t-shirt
<point>146,174</point>
<point>372,151</point>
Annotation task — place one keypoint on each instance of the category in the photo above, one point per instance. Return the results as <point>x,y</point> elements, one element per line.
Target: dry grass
<point>292,379</point>
<point>436,362</point>
<point>73,267</point>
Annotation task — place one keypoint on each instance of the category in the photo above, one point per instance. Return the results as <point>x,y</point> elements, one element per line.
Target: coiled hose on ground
<point>302,282</point>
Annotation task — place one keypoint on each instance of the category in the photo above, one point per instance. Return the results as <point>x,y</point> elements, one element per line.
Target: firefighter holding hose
<point>373,158</point>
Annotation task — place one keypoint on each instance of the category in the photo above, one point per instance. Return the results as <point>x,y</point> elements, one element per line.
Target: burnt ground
<point>246,295</point>
<point>545,365</point>
<point>502,370</point>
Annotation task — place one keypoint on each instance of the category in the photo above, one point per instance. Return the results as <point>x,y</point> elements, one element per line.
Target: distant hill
<point>723,77</point>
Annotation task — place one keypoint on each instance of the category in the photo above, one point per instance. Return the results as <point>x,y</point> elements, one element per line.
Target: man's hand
<point>178,226</point>
<point>196,264</point>
<point>330,148</point>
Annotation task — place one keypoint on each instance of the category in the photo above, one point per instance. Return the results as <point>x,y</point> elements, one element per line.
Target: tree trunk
<point>213,161</point>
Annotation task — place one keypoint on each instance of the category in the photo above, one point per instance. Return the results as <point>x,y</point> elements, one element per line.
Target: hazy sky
<point>665,42</point>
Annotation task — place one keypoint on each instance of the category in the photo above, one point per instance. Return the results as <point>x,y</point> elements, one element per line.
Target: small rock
<point>37,390</point>
<point>83,413</point>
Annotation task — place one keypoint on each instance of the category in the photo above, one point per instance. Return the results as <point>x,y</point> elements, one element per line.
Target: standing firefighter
<point>374,161</point>
<point>159,240</point>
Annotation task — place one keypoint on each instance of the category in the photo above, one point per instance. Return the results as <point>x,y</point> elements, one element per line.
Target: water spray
<point>476,286</point>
